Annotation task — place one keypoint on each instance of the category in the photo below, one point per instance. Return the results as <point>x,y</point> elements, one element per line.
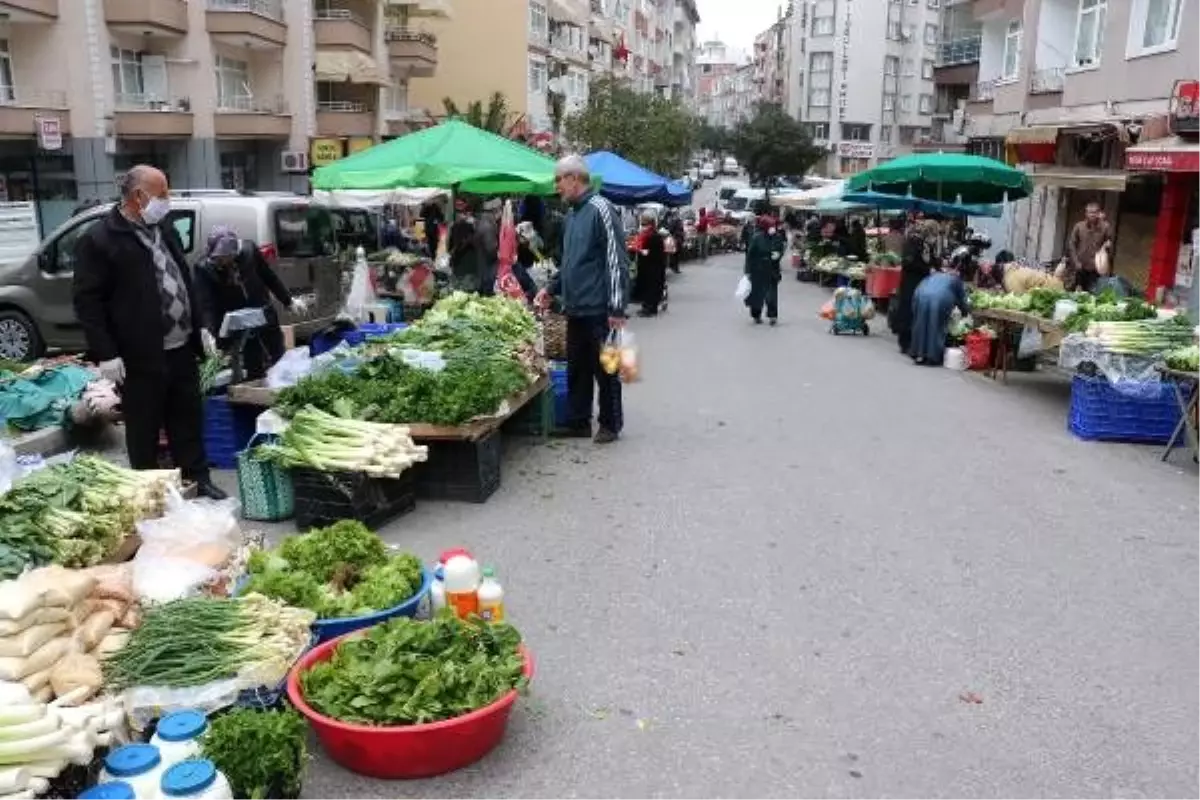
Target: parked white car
<point>708,170</point>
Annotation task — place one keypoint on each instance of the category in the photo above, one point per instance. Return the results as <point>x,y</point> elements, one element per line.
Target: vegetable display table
<point>1009,322</point>
<point>1186,387</point>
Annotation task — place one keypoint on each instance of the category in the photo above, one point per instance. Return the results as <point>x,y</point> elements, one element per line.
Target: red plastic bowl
<point>408,751</point>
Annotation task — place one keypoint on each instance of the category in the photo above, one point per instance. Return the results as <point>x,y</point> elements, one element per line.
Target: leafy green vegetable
<point>323,551</point>
<point>405,672</point>
<point>1186,359</point>
<point>262,753</point>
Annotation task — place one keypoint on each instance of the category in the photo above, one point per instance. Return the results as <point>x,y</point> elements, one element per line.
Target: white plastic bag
<point>1031,342</point>
<point>9,470</point>
<point>288,370</point>
<point>362,293</point>
<point>954,358</point>
<point>743,288</point>
<point>144,704</point>
<point>161,579</point>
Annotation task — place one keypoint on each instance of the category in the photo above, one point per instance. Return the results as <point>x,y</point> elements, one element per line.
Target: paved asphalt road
<point>805,561</point>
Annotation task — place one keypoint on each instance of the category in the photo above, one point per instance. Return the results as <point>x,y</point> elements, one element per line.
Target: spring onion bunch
<point>1147,337</point>
<point>325,442</point>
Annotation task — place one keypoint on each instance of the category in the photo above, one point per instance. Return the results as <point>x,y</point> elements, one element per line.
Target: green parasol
<point>946,177</point>
<point>452,155</point>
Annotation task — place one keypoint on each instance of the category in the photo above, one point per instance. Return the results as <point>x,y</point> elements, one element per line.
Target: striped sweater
<point>593,274</point>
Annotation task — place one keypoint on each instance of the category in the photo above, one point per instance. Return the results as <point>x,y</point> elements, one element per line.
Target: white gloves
<point>299,305</point>
<point>208,342</point>
<point>113,370</point>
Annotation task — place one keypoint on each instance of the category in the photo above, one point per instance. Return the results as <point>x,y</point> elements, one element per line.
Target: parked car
<point>727,190</point>
<point>730,167</point>
<point>708,170</point>
<point>298,238</point>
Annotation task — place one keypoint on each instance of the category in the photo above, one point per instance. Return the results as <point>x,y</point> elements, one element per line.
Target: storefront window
<point>8,92</point>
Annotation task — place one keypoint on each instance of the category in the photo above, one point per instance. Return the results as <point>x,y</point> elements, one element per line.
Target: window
<point>8,92</point>
<point>925,105</point>
<point>885,134</point>
<point>537,76</point>
<point>935,4</point>
<point>927,69</point>
<point>818,98</point>
<point>1012,50</point>
<point>931,33</point>
<point>893,30</point>
<point>395,97</point>
<point>852,166</point>
<point>891,65</point>
<point>233,83</point>
<point>62,257</point>
<point>184,223</point>
<point>1153,26</point>
<point>539,23</point>
<point>822,26</point>
<point>906,103</point>
<point>127,73</point>
<point>820,62</point>
<point>818,131</point>
<point>1089,32</point>
<point>889,102</point>
<point>856,132</point>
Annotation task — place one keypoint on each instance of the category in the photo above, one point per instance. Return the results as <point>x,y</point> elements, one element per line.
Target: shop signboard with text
<point>852,149</point>
<point>325,151</point>
<point>1182,159</point>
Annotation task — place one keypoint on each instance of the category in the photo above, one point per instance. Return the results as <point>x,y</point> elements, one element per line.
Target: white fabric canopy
<point>810,198</point>
<point>366,198</point>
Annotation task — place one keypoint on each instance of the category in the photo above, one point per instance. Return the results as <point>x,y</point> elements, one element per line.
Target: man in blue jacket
<point>593,284</point>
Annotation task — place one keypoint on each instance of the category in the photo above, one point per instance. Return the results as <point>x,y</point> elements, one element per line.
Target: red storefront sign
<point>1183,159</point>
<point>1184,114</point>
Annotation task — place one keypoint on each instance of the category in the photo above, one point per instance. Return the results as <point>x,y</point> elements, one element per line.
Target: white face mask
<point>156,209</point>
<point>771,231</point>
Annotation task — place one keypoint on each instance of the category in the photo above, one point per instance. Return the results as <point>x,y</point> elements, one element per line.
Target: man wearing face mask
<point>133,297</point>
<point>233,276</point>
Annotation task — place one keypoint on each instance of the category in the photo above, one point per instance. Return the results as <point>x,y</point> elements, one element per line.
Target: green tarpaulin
<point>452,155</point>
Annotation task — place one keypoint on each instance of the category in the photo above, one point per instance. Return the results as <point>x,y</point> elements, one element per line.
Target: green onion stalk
<point>322,441</point>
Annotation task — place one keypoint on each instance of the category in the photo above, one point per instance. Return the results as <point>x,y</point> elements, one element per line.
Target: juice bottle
<point>462,584</point>
<point>437,592</point>
<point>491,597</point>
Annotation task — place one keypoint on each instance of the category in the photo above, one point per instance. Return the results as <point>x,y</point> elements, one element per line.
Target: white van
<point>746,204</point>
<point>727,190</point>
<point>730,167</point>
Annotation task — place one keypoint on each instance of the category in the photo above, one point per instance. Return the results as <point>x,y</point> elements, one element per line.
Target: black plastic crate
<point>323,498</point>
<point>466,471</point>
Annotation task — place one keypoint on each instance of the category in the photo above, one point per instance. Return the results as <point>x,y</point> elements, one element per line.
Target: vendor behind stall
<point>235,275</point>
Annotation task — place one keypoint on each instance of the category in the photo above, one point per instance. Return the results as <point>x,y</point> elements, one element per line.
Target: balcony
<point>412,54</point>
<point>248,118</point>
<point>1047,81</point>
<point>962,50</point>
<point>983,92</point>
<point>19,111</point>
<point>249,23</point>
<point>345,118</point>
<point>29,10</point>
<point>341,28</point>
<point>142,116</point>
<point>154,18</point>
<point>562,49</point>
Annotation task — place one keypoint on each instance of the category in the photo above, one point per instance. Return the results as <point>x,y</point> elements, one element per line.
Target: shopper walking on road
<point>593,284</point>
<point>652,265</point>
<point>133,297</point>
<point>763,256</point>
<point>702,233</point>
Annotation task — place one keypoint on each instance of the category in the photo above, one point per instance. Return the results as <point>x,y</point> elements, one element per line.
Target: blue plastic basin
<point>326,629</point>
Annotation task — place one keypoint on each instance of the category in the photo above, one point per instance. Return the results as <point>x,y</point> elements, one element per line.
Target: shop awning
<point>1084,178</point>
<point>349,65</point>
<point>1170,154</point>
<point>1036,134</point>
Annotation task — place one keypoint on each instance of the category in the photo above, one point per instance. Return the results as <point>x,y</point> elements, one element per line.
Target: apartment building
<point>861,77</point>
<point>234,93</point>
<point>772,60</point>
<point>725,85</point>
<point>1079,92</point>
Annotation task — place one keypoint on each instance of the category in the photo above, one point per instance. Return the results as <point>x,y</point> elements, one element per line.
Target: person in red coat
<point>702,232</point>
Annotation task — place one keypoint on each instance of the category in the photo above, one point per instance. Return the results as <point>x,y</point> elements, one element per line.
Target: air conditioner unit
<point>293,161</point>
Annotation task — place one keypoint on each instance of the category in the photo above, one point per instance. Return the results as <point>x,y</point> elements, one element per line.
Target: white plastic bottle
<point>437,591</point>
<point>113,790</point>
<point>197,779</point>
<point>491,597</point>
<point>461,579</point>
<point>178,736</point>
<point>139,765</point>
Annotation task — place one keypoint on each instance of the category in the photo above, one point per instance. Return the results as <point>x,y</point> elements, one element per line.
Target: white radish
<point>13,779</point>
<point>46,769</point>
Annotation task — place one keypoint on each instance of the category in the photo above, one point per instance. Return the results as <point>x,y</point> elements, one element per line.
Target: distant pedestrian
<point>593,282</point>
<point>652,265</point>
<point>702,233</point>
<point>763,257</point>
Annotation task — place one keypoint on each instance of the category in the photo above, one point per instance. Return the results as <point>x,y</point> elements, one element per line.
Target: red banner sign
<point>1182,160</point>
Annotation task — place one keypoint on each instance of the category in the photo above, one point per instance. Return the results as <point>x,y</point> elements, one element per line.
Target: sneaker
<point>758,320</point>
<point>605,436</point>
<point>773,322</point>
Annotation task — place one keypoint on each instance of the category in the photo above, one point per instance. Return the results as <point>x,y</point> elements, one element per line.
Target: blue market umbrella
<point>904,202</point>
<point>626,183</point>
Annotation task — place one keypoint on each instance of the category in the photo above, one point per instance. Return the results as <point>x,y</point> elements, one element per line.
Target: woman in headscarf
<point>857,241</point>
<point>235,275</point>
<point>763,257</point>
<point>651,265</point>
<point>529,252</point>
<point>916,261</point>
<point>933,302</point>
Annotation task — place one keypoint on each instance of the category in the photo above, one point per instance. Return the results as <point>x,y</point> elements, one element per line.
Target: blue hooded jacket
<point>593,273</point>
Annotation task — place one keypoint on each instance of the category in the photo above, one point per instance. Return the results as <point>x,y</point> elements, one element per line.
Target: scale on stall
<point>240,326</point>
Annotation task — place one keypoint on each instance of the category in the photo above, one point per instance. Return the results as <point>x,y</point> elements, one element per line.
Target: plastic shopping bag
<point>827,311</point>
<point>362,291</point>
<point>630,367</point>
<point>1031,342</point>
<point>743,288</point>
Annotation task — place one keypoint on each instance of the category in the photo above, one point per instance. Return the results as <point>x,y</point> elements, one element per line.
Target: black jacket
<point>218,292</point>
<point>117,297</point>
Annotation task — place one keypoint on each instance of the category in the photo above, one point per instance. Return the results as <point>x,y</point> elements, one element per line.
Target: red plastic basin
<point>408,751</point>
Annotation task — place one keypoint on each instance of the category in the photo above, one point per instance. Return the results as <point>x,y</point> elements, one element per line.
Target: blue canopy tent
<point>626,183</point>
<point>909,203</point>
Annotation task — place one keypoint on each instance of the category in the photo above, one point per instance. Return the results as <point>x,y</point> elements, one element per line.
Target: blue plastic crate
<point>1144,413</point>
<point>372,330</point>
<point>558,385</point>
<point>227,428</point>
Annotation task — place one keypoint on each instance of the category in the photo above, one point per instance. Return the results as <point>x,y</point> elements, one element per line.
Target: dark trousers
<point>152,400</point>
<point>764,291</point>
<point>585,337</point>
<point>652,279</point>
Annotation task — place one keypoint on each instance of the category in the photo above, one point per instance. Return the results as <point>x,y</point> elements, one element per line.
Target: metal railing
<point>963,50</point>
<point>983,91</point>
<point>1047,81</point>
<point>251,105</point>
<point>272,9</point>
<point>124,101</point>
<point>400,33</point>
<point>338,15</point>
<point>343,106</point>
<point>19,98</point>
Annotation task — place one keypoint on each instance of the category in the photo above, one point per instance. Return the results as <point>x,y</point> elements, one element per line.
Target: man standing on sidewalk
<point>593,282</point>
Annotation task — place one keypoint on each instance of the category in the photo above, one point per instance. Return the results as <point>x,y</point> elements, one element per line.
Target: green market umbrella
<point>452,155</point>
<point>946,177</point>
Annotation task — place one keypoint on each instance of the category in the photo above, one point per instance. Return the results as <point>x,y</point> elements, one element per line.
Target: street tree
<point>714,139</point>
<point>493,117</point>
<point>771,144</point>
<point>655,132</point>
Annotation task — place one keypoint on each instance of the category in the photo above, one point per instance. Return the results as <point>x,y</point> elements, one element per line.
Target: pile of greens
<point>1040,301</point>
<point>1186,359</point>
<point>480,339</point>
<point>262,753</point>
<point>406,672</point>
<point>340,571</point>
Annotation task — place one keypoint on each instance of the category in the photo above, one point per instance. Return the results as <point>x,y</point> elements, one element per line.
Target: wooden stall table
<point>1186,386</point>
<point>1007,322</point>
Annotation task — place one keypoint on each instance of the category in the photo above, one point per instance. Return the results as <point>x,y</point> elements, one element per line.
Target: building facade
<point>772,61</point>
<point>233,93</point>
<point>861,77</point>
<point>725,86</point>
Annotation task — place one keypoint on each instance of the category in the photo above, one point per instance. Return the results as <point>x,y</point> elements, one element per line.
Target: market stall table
<point>1009,322</point>
<point>1186,386</point>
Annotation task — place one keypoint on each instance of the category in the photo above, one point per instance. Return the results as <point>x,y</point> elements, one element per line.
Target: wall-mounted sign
<point>854,149</point>
<point>1184,113</point>
<point>1184,158</point>
<point>325,151</point>
<point>49,132</point>
<point>360,143</point>
<point>844,84</point>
